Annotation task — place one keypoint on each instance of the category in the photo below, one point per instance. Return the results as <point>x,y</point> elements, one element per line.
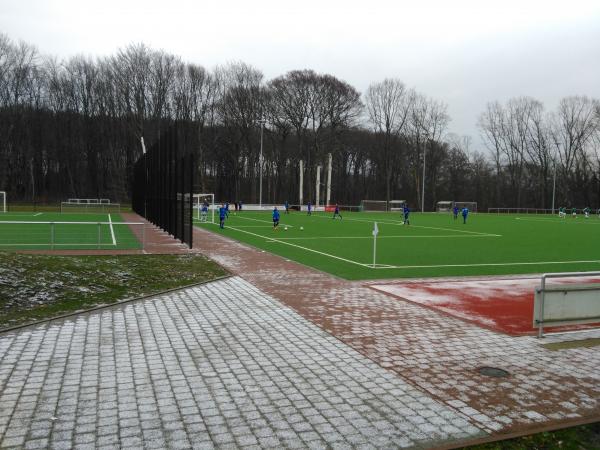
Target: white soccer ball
<point>301,228</point>
<point>285,229</point>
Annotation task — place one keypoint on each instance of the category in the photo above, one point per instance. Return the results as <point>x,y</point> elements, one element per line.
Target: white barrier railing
<point>522,210</point>
<point>72,207</point>
<point>566,304</point>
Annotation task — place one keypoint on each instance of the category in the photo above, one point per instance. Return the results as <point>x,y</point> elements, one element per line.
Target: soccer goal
<point>89,205</point>
<point>471,206</point>
<point>444,206</point>
<point>397,205</point>
<point>204,204</point>
<point>2,202</point>
<point>373,205</point>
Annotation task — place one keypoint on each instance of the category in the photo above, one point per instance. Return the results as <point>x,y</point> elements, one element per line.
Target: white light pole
<point>329,164</point>
<point>317,187</point>
<point>423,190</point>
<point>262,124</point>
<point>554,187</point>
<point>301,184</point>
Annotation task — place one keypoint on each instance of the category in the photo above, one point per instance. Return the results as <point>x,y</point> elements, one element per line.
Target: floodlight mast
<point>423,190</point>
<point>553,186</point>
<point>262,125</point>
<point>329,163</point>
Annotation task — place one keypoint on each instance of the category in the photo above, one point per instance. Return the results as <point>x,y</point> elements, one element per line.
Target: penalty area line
<point>401,223</point>
<point>490,264</point>
<point>445,236</point>
<point>302,248</point>
<point>260,220</point>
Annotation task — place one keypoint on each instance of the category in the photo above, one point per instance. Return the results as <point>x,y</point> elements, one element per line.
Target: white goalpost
<point>373,205</point>
<point>382,205</point>
<point>444,206</point>
<point>204,204</point>
<point>397,205</point>
<point>447,206</point>
<point>471,206</point>
<point>2,202</point>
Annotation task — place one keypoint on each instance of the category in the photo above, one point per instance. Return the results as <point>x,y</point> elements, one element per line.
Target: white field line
<point>489,264</point>
<point>400,223</point>
<point>56,245</point>
<point>391,237</point>
<point>251,226</point>
<point>388,266</point>
<point>112,231</point>
<point>300,247</point>
<point>565,220</point>
<point>458,231</point>
<point>261,220</point>
<point>38,214</point>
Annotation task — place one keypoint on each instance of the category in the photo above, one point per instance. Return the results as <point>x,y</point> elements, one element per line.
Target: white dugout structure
<point>566,304</point>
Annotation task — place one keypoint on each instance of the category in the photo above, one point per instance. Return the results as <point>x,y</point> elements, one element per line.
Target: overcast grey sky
<point>463,52</point>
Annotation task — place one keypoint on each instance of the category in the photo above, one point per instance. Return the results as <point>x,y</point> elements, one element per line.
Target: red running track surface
<point>504,305</point>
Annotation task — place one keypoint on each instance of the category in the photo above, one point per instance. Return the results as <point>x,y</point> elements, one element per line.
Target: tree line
<point>72,128</point>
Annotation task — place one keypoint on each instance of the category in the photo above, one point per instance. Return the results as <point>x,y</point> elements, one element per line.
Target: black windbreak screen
<point>163,185</point>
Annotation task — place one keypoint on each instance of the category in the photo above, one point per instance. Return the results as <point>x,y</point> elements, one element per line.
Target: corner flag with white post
<point>375,233</point>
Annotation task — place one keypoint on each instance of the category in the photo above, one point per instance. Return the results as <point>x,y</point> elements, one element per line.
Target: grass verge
<point>36,287</point>
<point>584,437</point>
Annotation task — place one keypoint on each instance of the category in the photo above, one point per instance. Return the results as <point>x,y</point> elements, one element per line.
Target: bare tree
<point>573,126</point>
<point>240,109</point>
<point>428,120</point>
<point>388,104</point>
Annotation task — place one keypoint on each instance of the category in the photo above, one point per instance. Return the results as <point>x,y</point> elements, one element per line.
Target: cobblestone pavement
<point>439,354</point>
<point>221,365</point>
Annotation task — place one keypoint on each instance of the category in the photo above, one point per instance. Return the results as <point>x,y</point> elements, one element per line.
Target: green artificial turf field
<point>29,231</point>
<point>433,245</point>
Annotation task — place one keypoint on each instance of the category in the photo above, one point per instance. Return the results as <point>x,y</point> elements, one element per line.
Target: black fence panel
<point>163,185</point>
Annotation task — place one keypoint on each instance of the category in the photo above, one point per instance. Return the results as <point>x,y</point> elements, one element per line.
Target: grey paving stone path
<point>218,366</point>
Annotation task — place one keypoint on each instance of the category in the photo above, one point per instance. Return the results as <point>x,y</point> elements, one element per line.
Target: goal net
<point>89,205</point>
<point>204,206</point>
<point>471,206</point>
<point>444,206</point>
<point>397,205</point>
<point>374,205</point>
<point>2,202</point>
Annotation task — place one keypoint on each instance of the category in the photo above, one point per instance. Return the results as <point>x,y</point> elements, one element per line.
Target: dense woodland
<point>72,129</point>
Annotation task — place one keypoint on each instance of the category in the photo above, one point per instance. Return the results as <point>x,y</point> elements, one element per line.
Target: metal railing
<point>47,235</point>
<point>522,210</point>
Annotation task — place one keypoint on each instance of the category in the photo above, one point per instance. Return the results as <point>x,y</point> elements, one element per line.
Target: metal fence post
<point>541,320</point>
